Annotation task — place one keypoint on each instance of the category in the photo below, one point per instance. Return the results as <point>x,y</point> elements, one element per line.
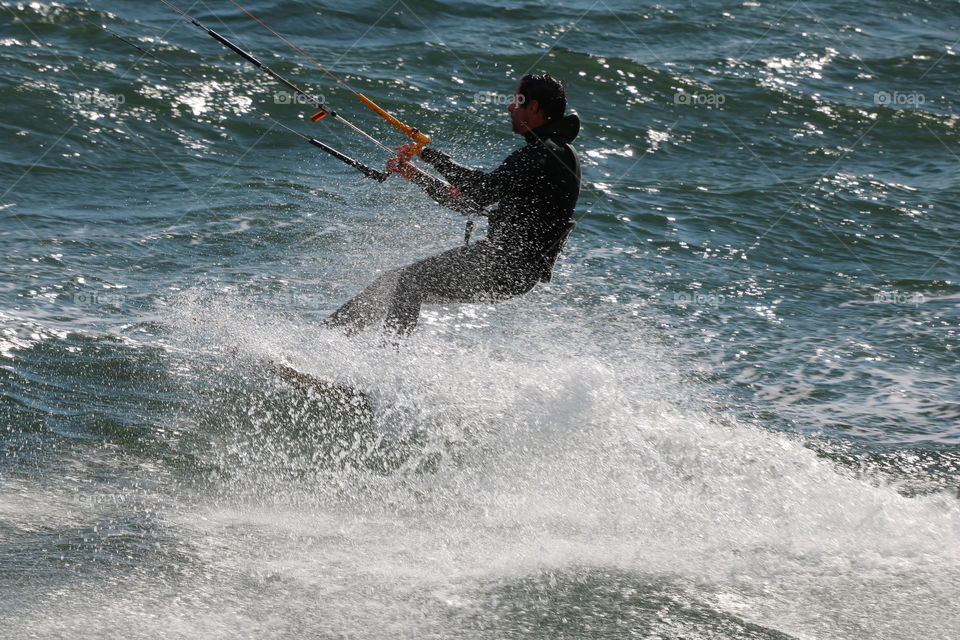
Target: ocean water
<point>734,413</point>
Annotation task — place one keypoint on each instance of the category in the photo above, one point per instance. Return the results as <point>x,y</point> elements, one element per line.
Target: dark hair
<point>547,91</point>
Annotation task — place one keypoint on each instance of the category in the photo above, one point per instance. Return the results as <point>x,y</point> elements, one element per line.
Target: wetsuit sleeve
<point>482,188</point>
<point>443,194</point>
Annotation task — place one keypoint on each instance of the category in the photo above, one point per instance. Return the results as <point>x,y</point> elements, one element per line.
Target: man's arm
<point>449,196</point>
<point>446,195</point>
<point>482,188</point>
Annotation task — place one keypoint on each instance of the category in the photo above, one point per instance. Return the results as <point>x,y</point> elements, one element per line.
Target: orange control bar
<point>415,134</point>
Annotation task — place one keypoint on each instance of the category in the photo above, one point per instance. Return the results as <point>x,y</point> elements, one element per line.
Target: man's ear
<point>533,106</point>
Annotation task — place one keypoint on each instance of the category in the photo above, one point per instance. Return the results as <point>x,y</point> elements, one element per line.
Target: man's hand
<point>404,150</point>
<point>401,164</point>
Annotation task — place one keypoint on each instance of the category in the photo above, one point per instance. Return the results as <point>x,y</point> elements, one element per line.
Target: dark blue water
<point>734,413</point>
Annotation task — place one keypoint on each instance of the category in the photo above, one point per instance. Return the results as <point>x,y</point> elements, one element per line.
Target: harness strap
<point>467,232</point>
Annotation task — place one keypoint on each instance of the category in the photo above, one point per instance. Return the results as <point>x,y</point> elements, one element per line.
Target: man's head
<point>538,99</point>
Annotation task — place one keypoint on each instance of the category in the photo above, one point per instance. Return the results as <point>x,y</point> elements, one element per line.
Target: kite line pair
<point>420,139</point>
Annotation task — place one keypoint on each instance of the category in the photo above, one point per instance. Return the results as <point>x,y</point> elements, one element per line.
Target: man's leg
<point>476,273</point>
<point>367,307</point>
<point>466,274</point>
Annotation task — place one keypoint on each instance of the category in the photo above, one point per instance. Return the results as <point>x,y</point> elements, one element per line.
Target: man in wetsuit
<point>536,189</point>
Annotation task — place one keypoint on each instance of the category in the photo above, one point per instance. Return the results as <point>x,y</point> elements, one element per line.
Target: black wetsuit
<point>536,189</point>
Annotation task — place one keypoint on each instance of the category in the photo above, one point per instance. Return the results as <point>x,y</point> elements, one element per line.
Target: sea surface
<point>734,413</point>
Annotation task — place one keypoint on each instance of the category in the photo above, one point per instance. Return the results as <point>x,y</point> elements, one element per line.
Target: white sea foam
<point>575,454</point>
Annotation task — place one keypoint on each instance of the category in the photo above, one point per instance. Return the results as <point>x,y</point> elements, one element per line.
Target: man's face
<point>518,113</point>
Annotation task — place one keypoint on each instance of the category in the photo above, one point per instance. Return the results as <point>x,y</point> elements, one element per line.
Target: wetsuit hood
<point>566,129</point>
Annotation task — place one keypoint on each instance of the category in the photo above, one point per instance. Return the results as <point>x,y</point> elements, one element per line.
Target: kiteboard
<point>344,396</point>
